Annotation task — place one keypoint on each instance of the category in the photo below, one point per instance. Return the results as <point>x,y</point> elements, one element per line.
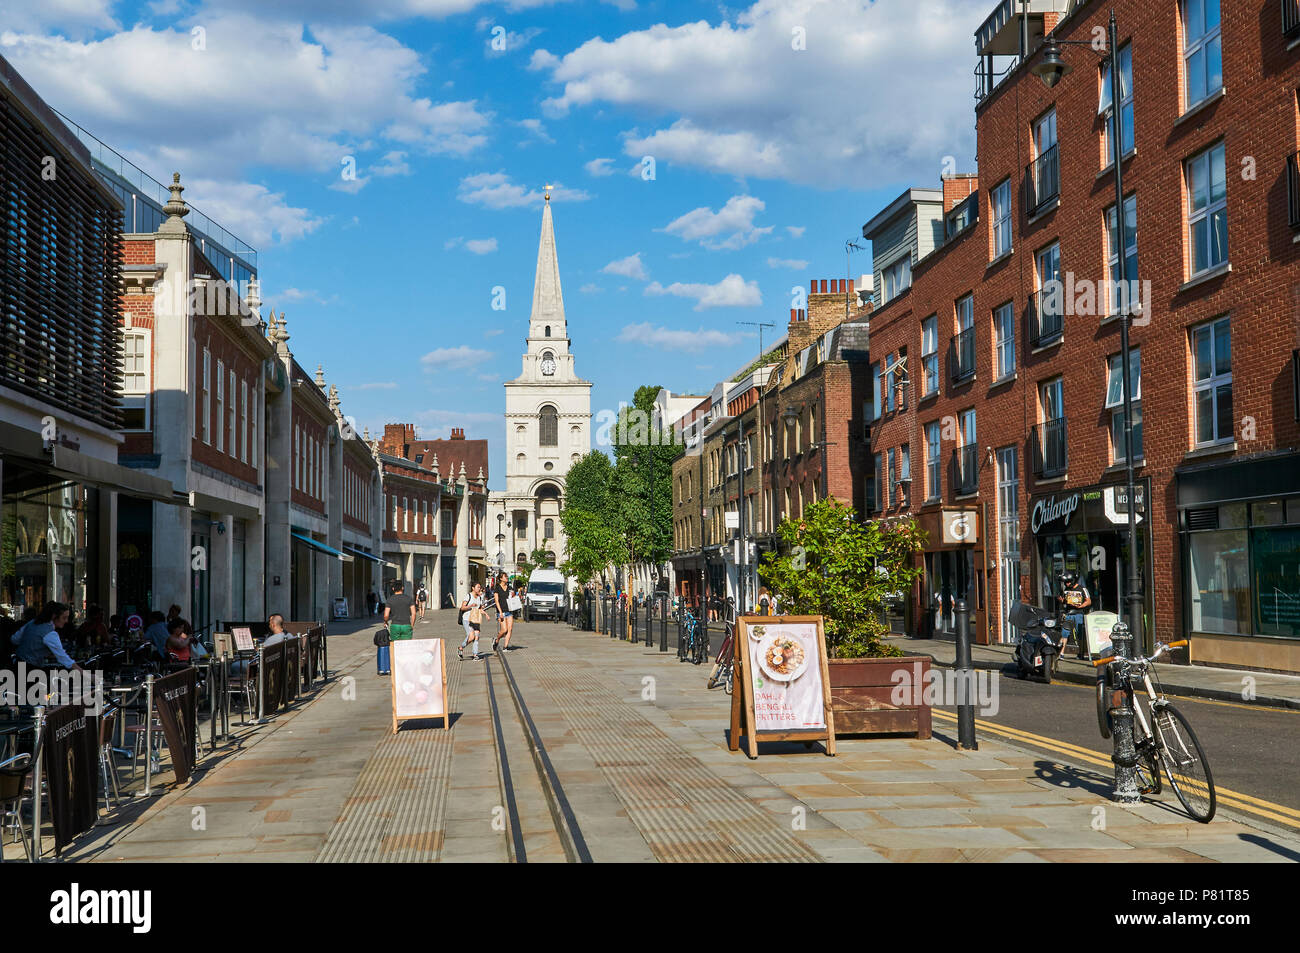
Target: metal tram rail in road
<point>562,816</point>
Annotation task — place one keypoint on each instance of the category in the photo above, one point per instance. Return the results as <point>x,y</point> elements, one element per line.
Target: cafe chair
<point>138,732</point>
<point>14,776</point>
<point>107,770</point>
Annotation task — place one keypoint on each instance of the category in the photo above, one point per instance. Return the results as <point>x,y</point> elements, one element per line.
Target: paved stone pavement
<point>638,746</point>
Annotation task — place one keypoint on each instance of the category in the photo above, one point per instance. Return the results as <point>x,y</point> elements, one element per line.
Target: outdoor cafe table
<point>10,729</point>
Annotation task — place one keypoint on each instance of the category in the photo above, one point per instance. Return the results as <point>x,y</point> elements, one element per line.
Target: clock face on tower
<point>548,365</point>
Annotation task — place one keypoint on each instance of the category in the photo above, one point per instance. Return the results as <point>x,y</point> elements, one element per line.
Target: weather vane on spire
<point>548,192</point>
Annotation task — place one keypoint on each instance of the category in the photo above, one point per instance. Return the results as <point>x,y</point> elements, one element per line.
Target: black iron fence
<point>961,358</point>
<point>1046,317</point>
<point>965,469</point>
<point>1042,181</point>
<point>1049,448</point>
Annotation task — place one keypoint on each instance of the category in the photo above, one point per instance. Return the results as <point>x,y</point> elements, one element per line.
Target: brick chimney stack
<point>457,433</point>
<point>957,187</point>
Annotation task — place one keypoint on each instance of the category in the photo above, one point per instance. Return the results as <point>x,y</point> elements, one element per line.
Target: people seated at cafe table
<point>39,639</point>
<point>156,633</point>
<point>276,624</point>
<point>178,639</point>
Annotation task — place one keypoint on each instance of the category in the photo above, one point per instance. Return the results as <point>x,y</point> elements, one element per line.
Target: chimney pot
<point>823,286</point>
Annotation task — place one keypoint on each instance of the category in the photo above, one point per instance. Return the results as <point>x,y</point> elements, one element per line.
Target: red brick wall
<point>211,334</point>
<point>138,253</point>
<point>309,486</point>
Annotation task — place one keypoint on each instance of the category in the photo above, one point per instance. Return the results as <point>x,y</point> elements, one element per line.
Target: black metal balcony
<point>1293,186</point>
<point>961,356</point>
<point>1042,181</point>
<point>1049,449</point>
<point>1290,18</point>
<point>1046,325</point>
<point>965,470</point>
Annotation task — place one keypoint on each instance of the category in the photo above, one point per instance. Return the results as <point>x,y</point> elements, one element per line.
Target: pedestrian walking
<point>505,618</point>
<point>372,600</point>
<point>399,613</point>
<point>422,600</point>
<point>471,615</point>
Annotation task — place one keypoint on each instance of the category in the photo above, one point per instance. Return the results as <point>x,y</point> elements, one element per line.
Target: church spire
<point>548,301</point>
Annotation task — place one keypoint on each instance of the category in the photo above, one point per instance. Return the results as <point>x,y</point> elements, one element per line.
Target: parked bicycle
<point>1165,740</point>
<point>724,670</point>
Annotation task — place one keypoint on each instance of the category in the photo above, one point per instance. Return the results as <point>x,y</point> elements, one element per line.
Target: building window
<point>1049,310</point>
<point>243,421</point>
<point>1008,534</point>
<point>933,466</point>
<point>406,515</point>
<point>394,513</point>
<point>135,381</point>
<point>448,530</point>
<point>1126,295</point>
<point>1202,50</point>
<point>207,397</point>
<point>548,529</point>
<point>234,417</point>
<point>1212,382</point>
<point>1000,198</point>
<point>548,427</point>
<point>905,473</point>
<point>252,427</point>
<point>963,343</point>
<point>1044,180</point>
<point>875,409</point>
<point>221,406</point>
<point>1125,105</point>
<point>1115,403</point>
<point>889,382</point>
<point>890,460</point>
<point>966,473</point>
<point>1004,338</point>
<point>873,487</point>
<point>896,277</point>
<point>930,355</point>
<point>297,459</point>
<point>1049,435</point>
<point>1207,209</point>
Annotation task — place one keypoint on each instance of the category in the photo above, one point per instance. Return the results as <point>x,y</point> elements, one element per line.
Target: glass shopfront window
<point>44,555</point>
<point>1243,567</point>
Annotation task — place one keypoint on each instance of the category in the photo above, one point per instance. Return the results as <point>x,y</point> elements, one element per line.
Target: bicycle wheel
<point>1186,766</point>
<point>719,669</point>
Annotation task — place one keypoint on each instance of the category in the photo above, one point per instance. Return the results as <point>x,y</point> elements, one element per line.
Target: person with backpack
<point>471,618</point>
<point>422,600</point>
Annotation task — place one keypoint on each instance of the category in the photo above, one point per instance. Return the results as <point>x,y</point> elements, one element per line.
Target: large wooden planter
<point>862,691</point>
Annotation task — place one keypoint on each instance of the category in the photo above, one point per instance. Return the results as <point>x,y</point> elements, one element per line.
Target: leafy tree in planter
<point>590,519</point>
<point>844,570</point>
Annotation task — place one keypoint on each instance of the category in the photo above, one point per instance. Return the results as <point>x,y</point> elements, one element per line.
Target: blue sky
<point>776,128</point>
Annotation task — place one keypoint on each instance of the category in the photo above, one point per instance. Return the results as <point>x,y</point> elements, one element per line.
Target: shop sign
<point>960,527</point>
<point>1051,510</point>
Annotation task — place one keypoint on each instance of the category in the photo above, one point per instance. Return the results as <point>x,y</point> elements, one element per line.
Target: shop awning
<point>64,463</point>
<point>371,556</point>
<point>315,544</point>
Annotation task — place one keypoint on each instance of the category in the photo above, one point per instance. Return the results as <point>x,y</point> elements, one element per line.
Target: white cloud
<point>301,294</point>
<point>737,98</point>
<point>262,92</point>
<point>514,42</point>
<point>796,231</point>
<point>538,131</point>
<point>481,246</point>
<point>453,357</point>
<point>735,219</point>
<point>672,339</point>
<point>495,190</point>
<point>599,167</point>
<point>73,18</point>
<point>629,267</point>
<point>493,332</point>
<point>590,289</point>
<point>732,291</point>
<point>377,385</point>
<point>252,212</point>
<point>797,264</point>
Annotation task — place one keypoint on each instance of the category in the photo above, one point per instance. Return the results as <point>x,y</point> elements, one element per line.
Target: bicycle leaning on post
<point>1165,740</point>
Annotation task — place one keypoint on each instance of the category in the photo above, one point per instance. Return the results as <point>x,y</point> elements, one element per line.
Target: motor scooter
<point>1041,641</point>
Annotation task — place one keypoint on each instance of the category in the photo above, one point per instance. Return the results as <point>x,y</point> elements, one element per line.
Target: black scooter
<point>1041,641</point>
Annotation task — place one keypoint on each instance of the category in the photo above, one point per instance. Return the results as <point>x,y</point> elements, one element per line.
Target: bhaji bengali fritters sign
<point>785,673</point>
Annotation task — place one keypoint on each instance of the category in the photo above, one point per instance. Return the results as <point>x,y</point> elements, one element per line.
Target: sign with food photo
<point>785,675</point>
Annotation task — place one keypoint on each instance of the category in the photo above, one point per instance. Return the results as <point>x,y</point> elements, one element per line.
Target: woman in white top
<point>472,607</point>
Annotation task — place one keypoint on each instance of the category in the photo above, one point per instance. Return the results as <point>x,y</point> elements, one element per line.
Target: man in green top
<point>399,613</point>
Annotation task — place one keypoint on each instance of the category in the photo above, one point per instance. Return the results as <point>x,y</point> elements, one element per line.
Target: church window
<point>549,529</point>
<point>549,426</point>
<point>548,330</point>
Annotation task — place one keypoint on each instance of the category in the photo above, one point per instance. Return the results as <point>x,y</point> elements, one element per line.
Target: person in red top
<point>178,639</point>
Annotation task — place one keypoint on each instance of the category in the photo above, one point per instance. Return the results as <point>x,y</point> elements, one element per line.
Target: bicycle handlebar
<point>1161,649</point>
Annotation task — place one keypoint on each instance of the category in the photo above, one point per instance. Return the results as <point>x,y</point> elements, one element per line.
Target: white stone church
<point>548,425</point>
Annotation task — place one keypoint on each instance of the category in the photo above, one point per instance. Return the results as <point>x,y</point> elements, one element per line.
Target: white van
<point>545,595</point>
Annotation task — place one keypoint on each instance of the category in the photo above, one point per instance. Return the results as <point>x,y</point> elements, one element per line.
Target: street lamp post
<point>1050,70</point>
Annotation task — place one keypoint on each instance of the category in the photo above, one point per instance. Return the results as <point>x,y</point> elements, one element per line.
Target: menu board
<point>782,682</point>
<point>419,680</point>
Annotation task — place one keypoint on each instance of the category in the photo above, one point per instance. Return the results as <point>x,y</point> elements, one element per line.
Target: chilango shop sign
<point>1052,510</point>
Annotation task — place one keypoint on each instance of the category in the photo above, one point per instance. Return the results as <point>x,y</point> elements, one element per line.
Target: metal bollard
<point>1125,755</point>
<point>663,626</point>
<point>37,768</point>
<point>965,681</point>
<point>649,622</point>
<point>634,619</point>
<point>148,736</point>
<point>704,633</point>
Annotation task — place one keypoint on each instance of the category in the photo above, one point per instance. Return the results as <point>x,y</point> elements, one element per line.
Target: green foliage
<point>643,472</point>
<point>836,567</point>
<point>589,518</point>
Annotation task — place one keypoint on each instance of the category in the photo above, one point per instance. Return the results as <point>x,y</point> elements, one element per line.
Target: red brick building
<point>1003,339</point>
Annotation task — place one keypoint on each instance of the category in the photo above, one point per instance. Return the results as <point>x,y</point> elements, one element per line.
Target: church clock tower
<point>548,420</point>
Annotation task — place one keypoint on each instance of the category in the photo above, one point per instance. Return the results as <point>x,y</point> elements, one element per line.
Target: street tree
<point>590,518</point>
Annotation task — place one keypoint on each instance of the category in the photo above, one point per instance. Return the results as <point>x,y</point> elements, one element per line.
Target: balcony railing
<point>1293,186</point>
<point>965,470</point>
<point>1046,324</point>
<point>1049,449</point>
<point>1042,181</point>
<point>1290,18</point>
<point>961,357</point>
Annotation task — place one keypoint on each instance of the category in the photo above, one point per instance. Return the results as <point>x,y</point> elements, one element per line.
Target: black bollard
<point>965,681</point>
<point>1124,756</point>
<point>663,624</point>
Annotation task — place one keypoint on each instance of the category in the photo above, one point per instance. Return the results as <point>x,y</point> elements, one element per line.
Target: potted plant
<point>833,565</point>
